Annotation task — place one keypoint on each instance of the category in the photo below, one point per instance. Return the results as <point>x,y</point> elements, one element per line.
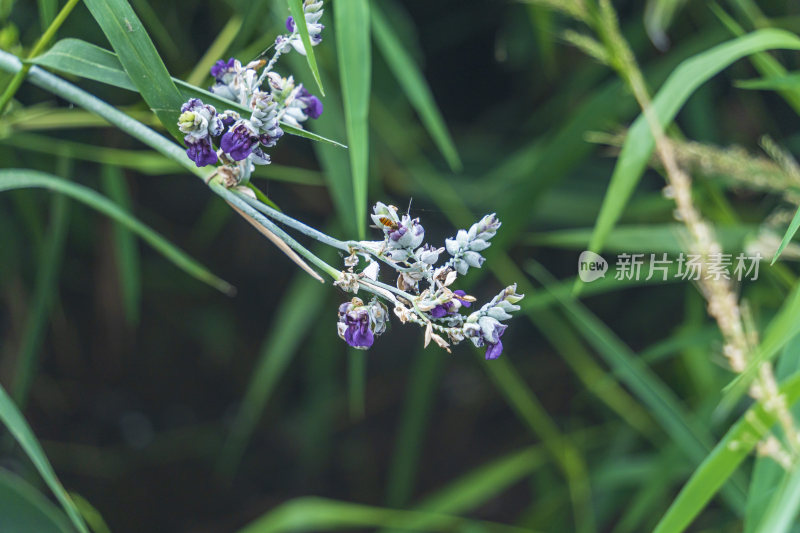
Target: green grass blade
<point>24,508</point>
<point>139,57</point>
<point>215,52</point>
<point>655,238</point>
<point>419,399</point>
<point>413,83</point>
<point>356,383</point>
<point>319,514</point>
<point>166,39</point>
<point>782,328</point>
<point>291,130</point>
<point>47,12</point>
<point>299,309</point>
<point>86,60</point>
<point>23,179</point>
<point>764,63</point>
<point>692,438</point>
<point>777,83</point>
<point>784,506</point>
<point>787,237</point>
<point>49,267</point>
<point>680,85</point>
<point>126,251</point>
<point>92,516</point>
<point>355,73</point>
<point>19,429</point>
<point>723,461</point>
<point>530,410</point>
<point>483,483</point>
<point>143,161</point>
<point>89,61</point>
<point>296,9</point>
<point>767,474</point>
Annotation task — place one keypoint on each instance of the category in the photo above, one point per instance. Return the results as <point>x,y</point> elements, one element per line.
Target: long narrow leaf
<point>21,431</point>
<point>355,72</point>
<point>299,309</point>
<point>49,267</point>
<point>639,142</point>
<point>89,61</point>
<point>318,514</point>
<point>693,439</point>
<point>126,251</point>
<point>784,506</point>
<point>23,508</point>
<point>723,461</point>
<point>296,9</point>
<point>413,83</point>
<point>25,179</point>
<point>787,237</point>
<point>782,328</point>
<point>139,57</point>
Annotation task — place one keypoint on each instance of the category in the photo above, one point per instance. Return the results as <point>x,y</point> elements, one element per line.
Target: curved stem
<point>241,202</point>
<point>159,143</point>
<point>134,128</point>
<point>296,224</point>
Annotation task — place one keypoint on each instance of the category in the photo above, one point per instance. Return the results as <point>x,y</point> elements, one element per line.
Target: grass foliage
<point>135,399</point>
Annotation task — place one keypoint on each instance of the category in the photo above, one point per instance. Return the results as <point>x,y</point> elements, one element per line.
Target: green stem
<point>296,224</point>
<point>159,143</point>
<point>79,97</point>
<point>38,48</point>
<point>243,203</point>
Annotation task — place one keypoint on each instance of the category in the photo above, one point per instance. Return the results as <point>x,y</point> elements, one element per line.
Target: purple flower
<point>313,104</point>
<point>354,324</point>
<point>439,311</point>
<point>200,151</point>
<point>493,351</point>
<point>395,235</point>
<point>227,121</point>
<point>451,307</point>
<point>486,332</point>
<point>239,141</point>
<point>409,234</point>
<point>270,138</point>
<point>259,157</point>
<point>191,105</point>
<point>221,68</point>
<point>459,294</point>
<point>290,24</point>
<point>359,324</point>
<point>358,334</point>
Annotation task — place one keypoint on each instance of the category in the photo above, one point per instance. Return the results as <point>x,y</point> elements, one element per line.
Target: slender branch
<point>239,201</point>
<point>69,92</point>
<point>296,224</point>
<point>252,208</point>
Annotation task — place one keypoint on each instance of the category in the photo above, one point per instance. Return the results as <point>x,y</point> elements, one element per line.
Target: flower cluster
<point>263,105</point>
<point>263,101</point>
<point>359,324</point>
<point>312,10</point>
<point>423,292</point>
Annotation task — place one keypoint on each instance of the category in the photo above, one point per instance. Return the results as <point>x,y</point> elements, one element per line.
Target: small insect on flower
<point>389,223</point>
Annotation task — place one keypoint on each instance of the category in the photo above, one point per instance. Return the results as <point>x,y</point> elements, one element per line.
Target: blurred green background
<point>168,406</point>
